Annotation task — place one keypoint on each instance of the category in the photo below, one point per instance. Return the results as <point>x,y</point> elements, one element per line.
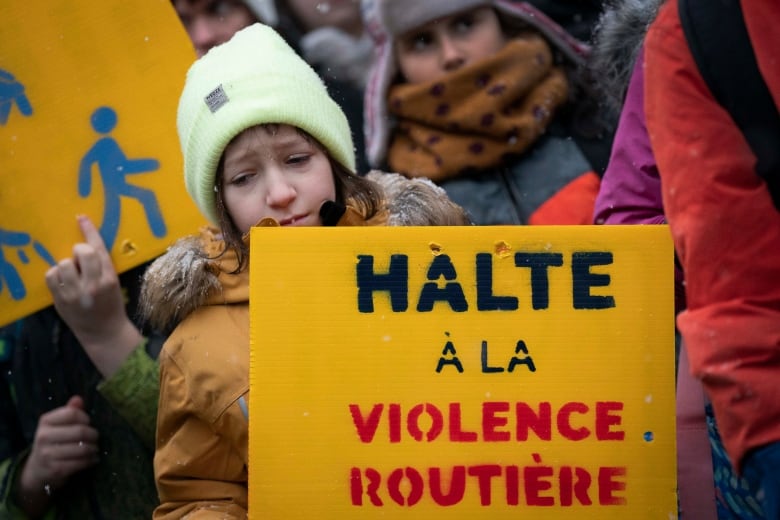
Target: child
<point>262,142</point>
<point>477,100</point>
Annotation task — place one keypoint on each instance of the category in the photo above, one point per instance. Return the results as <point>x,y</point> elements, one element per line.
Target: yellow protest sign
<point>88,96</point>
<point>462,372</point>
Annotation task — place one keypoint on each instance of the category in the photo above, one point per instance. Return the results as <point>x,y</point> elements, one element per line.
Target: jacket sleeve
<point>630,190</point>
<point>727,234</point>
<point>199,473</point>
<point>134,391</point>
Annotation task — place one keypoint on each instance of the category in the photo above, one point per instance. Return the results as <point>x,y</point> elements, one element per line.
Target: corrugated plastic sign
<point>462,372</point>
<point>88,96</point>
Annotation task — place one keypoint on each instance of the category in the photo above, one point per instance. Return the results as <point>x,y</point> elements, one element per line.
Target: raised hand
<point>87,295</point>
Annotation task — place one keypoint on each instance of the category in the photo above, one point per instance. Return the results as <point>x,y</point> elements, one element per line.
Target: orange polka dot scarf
<point>473,117</point>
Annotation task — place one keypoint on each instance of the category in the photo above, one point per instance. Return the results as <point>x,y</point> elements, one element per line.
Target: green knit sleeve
<point>134,390</point>
<point>8,469</point>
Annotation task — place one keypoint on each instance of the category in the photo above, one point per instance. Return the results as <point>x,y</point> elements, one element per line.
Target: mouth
<point>295,220</point>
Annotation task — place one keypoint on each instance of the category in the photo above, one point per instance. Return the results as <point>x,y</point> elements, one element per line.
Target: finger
<point>52,278</point>
<point>76,401</point>
<point>59,470</point>
<point>87,261</point>
<point>72,450</point>
<point>93,238</point>
<point>63,279</point>
<point>64,415</point>
<point>50,435</point>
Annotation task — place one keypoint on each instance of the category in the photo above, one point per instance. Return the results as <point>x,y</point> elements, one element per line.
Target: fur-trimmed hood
<point>197,270</point>
<point>618,36</point>
<point>186,277</point>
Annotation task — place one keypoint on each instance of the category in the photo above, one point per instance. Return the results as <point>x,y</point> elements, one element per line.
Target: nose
<point>280,192</point>
<point>450,54</point>
<point>203,33</point>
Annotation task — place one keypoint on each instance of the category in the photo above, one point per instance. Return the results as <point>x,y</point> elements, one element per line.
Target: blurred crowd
<point>469,112</point>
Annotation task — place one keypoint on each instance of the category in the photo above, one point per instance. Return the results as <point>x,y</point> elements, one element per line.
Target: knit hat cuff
<point>400,17</point>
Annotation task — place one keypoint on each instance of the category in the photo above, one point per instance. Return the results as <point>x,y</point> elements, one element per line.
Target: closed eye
<point>241,179</point>
<point>298,159</point>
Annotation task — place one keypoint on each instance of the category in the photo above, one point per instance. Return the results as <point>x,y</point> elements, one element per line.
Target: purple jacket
<point>631,188</point>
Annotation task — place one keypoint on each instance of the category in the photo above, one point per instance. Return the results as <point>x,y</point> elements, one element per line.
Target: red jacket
<point>725,228</point>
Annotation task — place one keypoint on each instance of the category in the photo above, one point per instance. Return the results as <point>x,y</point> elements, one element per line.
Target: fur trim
<point>617,39</point>
<point>175,284</point>
<point>417,202</point>
<point>186,276</point>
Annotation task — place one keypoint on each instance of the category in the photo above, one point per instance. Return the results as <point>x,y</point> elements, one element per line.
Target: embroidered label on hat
<point>216,99</point>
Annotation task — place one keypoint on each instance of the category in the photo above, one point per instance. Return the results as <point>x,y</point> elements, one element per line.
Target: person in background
<point>330,36</point>
<point>478,96</point>
<point>78,396</point>
<point>726,230</point>
<point>630,191</point>
<point>631,194</point>
<point>263,144</point>
<point>211,22</point>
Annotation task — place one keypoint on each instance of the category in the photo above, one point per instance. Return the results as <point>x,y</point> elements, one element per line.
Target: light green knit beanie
<point>254,78</point>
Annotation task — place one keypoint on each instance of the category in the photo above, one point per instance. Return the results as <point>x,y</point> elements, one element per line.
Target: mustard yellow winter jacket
<point>201,462</point>
<point>201,451</point>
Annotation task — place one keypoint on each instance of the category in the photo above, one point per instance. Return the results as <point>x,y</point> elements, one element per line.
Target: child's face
<point>275,172</point>
<point>444,45</point>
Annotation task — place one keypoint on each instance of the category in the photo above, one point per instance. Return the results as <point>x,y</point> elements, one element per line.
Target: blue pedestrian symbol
<point>114,166</point>
<point>12,93</point>
<point>9,276</point>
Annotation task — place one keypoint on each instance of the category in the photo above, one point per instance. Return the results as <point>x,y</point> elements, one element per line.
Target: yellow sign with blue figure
<point>88,95</point>
<point>462,372</point>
